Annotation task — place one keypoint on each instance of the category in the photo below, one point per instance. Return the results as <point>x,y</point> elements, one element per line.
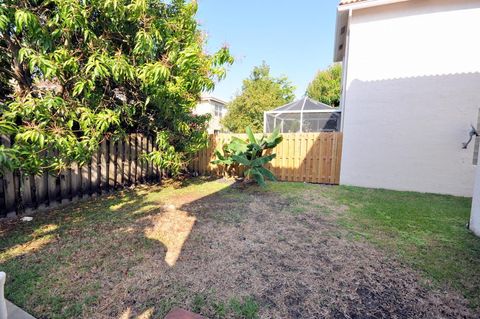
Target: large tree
<point>260,92</point>
<point>326,86</point>
<point>74,72</point>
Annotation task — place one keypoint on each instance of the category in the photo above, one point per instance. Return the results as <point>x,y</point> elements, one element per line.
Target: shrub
<point>252,153</point>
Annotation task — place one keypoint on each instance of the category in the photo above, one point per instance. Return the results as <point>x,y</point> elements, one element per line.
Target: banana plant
<point>251,154</point>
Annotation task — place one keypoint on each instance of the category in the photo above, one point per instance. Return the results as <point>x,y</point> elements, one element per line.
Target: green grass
<point>28,257</point>
<point>244,308</point>
<point>427,231</point>
<point>424,230</point>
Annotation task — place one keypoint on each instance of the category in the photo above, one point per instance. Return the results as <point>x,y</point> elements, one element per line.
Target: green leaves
<point>250,135</point>
<point>45,65</point>
<point>326,86</point>
<point>260,161</point>
<point>25,20</point>
<point>98,66</point>
<point>33,135</point>
<point>274,139</point>
<point>88,70</point>
<point>8,159</point>
<point>4,19</point>
<point>154,73</point>
<point>242,159</point>
<point>122,70</point>
<point>144,44</point>
<point>250,154</point>
<point>106,119</point>
<point>260,92</point>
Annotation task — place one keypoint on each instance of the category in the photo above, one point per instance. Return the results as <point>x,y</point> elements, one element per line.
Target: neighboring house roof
<point>344,2</point>
<point>206,98</point>
<point>304,104</point>
<point>344,10</point>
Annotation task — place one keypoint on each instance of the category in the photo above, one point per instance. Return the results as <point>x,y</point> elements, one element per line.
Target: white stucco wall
<point>412,91</point>
<point>207,107</point>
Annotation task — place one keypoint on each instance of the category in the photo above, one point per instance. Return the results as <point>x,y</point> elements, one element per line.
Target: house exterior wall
<point>208,107</point>
<point>412,92</point>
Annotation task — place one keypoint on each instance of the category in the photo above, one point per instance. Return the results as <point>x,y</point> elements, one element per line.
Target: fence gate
<point>301,157</point>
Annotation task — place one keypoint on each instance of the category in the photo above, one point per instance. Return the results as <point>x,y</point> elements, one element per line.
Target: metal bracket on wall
<point>477,142</point>
<point>473,132</point>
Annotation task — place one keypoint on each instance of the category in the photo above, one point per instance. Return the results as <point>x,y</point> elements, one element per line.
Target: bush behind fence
<point>301,157</point>
<point>114,166</point>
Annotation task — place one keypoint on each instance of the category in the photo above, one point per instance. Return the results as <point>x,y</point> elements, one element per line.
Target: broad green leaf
<point>251,136</point>
<point>241,159</point>
<point>268,174</point>
<point>263,160</point>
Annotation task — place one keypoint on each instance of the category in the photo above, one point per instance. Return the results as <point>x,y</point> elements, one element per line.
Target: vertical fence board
<point>134,158</point>
<point>338,158</point>
<point>98,163</point>
<point>113,166</point>
<point>25,189</point>
<point>138,158</point>
<point>76,180</point>
<point>88,181</point>
<point>305,157</point>
<point>129,160</point>
<point>143,169</point>
<point>106,164</point>
<point>118,164</point>
<point>41,189</point>
<point>8,187</point>
<point>62,177</point>
<point>309,157</point>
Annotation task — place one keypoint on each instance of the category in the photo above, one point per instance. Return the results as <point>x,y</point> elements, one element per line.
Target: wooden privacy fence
<point>115,165</point>
<point>301,157</point>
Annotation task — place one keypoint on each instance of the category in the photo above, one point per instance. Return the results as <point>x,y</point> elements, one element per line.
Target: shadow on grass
<point>139,253</point>
<point>85,257</point>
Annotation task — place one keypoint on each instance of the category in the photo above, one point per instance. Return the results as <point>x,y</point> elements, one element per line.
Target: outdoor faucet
<point>473,132</point>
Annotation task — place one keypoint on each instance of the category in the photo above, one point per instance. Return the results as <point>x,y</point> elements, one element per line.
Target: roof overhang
<point>213,99</point>
<point>304,111</point>
<point>344,11</point>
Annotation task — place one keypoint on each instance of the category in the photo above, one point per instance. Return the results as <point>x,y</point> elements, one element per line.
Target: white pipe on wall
<point>3,304</point>
<point>475,213</point>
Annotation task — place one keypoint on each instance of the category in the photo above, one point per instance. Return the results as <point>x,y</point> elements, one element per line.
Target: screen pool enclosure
<point>302,116</point>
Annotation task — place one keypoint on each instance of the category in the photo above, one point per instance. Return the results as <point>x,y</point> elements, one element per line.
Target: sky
<point>294,37</point>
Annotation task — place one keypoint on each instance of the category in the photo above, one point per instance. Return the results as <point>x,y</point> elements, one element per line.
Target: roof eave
<point>343,12</point>
<point>366,4</point>
<point>340,37</point>
<point>214,99</point>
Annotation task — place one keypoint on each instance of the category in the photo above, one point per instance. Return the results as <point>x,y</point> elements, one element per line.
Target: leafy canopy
<point>74,72</point>
<point>260,92</point>
<point>326,86</point>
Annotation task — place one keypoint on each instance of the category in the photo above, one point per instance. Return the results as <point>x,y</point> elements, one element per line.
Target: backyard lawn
<point>292,250</point>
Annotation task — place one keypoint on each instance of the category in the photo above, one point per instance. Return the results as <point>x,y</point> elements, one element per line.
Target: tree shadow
<point>102,243</point>
<point>210,247</point>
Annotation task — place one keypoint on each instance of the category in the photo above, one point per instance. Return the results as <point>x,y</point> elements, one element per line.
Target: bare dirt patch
<point>202,250</point>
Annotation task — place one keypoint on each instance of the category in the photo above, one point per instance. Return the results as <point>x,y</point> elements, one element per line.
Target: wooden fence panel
<point>116,164</point>
<point>301,157</point>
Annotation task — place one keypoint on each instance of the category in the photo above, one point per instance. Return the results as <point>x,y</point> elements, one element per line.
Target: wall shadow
<point>407,133</point>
